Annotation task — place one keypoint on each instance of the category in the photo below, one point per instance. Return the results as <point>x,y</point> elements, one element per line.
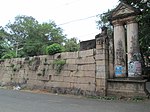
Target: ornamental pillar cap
<point>123,11</point>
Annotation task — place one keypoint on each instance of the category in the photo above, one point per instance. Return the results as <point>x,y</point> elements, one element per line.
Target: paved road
<point>18,101</point>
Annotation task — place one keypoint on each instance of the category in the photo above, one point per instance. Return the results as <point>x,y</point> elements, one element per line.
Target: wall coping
<point>127,80</point>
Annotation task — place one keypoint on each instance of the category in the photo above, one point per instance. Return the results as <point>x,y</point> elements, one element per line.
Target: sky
<point>76,17</point>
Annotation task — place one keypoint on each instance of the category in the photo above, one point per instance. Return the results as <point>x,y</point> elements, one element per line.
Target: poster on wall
<point>134,69</point>
<point>118,71</point>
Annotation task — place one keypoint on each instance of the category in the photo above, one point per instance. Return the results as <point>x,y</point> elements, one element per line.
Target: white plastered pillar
<point>134,56</point>
<point>119,50</point>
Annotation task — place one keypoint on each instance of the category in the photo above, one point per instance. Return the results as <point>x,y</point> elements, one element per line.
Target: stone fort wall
<point>78,75</point>
<point>88,72</point>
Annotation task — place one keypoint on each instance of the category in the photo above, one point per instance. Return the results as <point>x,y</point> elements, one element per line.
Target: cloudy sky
<point>75,17</point>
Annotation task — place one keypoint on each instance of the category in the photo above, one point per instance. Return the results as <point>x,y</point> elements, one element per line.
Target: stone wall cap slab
<point>127,80</point>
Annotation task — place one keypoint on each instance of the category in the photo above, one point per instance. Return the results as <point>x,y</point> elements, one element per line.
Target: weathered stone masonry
<point>77,75</point>
<point>84,72</point>
<point>127,79</point>
<point>124,21</point>
<point>88,72</point>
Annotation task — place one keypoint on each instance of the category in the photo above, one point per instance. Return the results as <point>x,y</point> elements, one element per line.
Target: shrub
<point>58,64</point>
<point>53,49</point>
<point>9,55</point>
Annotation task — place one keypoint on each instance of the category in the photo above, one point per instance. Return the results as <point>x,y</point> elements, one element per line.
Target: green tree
<point>103,20</point>
<point>30,37</point>
<point>4,46</point>
<point>71,45</point>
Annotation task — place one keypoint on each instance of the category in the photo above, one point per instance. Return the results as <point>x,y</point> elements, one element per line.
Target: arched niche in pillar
<point>126,45</point>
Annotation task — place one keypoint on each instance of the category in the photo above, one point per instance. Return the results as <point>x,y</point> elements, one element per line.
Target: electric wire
<point>76,20</point>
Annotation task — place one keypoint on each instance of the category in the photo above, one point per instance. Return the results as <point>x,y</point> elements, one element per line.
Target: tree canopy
<point>71,45</point>
<point>27,37</point>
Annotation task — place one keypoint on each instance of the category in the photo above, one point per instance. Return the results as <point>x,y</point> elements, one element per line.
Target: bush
<point>9,55</point>
<point>58,65</point>
<point>53,49</point>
